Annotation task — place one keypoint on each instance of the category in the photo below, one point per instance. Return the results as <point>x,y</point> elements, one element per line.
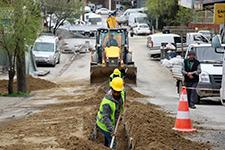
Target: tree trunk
<point>11,74</point>
<point>21,72</point>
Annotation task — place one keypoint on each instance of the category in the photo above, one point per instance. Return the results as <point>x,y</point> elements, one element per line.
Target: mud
<point>34,84</point>
<point>68,125</point>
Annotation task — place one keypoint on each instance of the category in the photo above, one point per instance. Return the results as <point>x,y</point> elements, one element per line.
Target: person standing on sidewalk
<point>191,70</point>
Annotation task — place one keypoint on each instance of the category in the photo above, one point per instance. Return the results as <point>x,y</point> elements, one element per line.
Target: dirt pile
<point>68,125</point>
<point>151,129</point>
<point>34,84</point>
<point>75,143</point>
<point>131,93</point>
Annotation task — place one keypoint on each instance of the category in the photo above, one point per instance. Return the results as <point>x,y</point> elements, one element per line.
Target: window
<point>44,47</point>
<point>208,54</point>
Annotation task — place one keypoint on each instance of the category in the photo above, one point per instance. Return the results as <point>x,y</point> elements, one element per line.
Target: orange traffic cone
<point>183,122</point>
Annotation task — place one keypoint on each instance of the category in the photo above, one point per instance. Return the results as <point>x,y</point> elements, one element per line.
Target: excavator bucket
<point>99,74</point>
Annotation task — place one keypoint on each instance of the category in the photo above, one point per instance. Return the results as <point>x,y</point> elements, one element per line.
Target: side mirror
<point>216,41</point>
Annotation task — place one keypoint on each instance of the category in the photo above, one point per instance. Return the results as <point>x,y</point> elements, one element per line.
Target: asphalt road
<point>157,82</point>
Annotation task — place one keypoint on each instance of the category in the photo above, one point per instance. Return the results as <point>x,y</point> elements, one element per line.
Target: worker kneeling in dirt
<point>110,109</point>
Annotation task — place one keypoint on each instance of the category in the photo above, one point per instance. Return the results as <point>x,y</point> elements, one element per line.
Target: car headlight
<point>204,77</point>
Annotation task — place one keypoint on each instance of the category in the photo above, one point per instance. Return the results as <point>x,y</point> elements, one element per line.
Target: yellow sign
<point>219,13</point>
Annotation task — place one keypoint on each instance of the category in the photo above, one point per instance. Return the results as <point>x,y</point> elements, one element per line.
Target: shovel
<point>114,134</point>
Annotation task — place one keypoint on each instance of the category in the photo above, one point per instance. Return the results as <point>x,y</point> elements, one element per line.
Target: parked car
<point>46,50</point>
<point>141,29</point>
<point>155,41</point>
<point>103,11</point>
<point>137,18</point>
<point>123,19</point>
<point>193,37</point>
<point>208,34</point>
<point>93,19</point>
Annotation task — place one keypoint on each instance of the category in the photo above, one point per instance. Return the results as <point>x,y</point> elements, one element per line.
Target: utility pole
<point>110,4</point>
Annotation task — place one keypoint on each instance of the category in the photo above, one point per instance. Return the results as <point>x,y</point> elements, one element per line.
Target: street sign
<point>219,13</point>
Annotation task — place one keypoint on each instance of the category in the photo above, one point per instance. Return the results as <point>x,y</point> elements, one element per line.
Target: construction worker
<point>111,21</point>
<point>116,73</point>
<point>110,108</point>
<point>112,41</point>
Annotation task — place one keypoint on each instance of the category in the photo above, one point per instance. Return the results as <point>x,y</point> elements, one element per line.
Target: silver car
<point>46,50</point>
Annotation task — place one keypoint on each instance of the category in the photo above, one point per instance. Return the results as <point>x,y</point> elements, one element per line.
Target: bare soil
<point>151,129</point>
<point>34,84</point>
<point>68,125</point>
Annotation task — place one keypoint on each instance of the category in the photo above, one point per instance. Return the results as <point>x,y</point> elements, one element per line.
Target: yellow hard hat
<point>116,72</point>
<point>117,84</point>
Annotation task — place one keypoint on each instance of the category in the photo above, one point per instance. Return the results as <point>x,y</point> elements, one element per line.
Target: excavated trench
<point>69,124</point>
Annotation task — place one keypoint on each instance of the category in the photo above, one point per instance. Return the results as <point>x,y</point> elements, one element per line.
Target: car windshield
<point>95,21</point>
<point>141,20</point>
<point>119,36</point>
<point>209,55</point>
<point>200,38</point>
<point>44,47</point>
<point>143,26</point>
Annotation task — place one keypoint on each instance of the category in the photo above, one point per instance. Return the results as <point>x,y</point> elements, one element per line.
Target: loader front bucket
<point>99,74</point>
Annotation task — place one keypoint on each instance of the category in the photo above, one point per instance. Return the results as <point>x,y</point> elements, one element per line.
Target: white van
<point>93,19</point>
<point>46,50</point>
<point>155,41</point>
<point>137,18</point>
<point>125,16</point>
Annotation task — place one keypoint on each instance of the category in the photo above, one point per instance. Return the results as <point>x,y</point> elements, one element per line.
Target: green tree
<point>62,9</point>
<point>184,16</point>
<point>159,8</point>
<point>19,24</point>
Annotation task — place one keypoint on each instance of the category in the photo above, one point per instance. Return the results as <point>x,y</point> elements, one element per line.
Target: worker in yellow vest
<point>110,108</point>
<point>111,21</point>
<point>116,73</point>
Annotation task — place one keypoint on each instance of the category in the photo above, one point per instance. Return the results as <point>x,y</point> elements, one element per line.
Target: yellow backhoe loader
<point>112,51</point>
